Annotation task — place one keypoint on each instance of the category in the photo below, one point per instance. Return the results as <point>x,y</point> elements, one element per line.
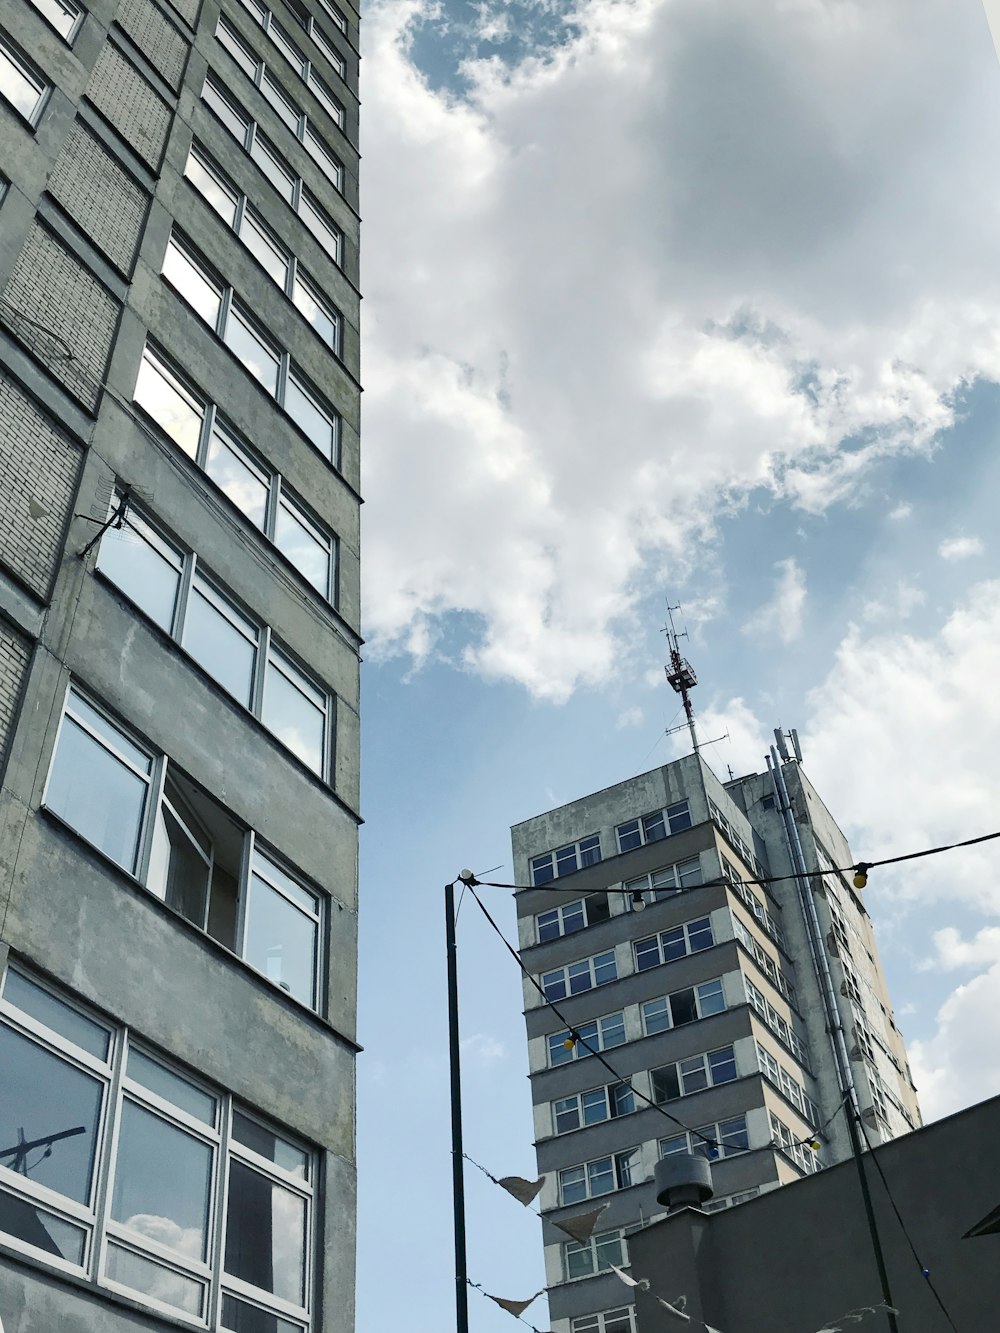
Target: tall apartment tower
<point>179,649</point>
<point>708,994</point>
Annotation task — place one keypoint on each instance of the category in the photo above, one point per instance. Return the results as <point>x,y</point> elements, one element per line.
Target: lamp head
<point>638,901</point>
<point>861,874</point>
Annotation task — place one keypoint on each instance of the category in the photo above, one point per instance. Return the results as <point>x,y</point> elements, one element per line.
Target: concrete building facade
<point>714,999</point>
<point>179,654</point>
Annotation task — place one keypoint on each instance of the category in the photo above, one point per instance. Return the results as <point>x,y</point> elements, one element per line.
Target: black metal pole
<point>852,1128</point>
<point>457,1161</point>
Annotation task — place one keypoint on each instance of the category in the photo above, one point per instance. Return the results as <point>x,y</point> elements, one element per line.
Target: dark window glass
<point>242,1317</point>
<point>44,1230</point>
<point>265,1234</point>
<point>162,1181</point>
<point>682,1007</point>
<point>281,940</point>
<point>269,1145</point>
<point>598,908</point>
<point>46,1099</point>
<point>171,1087</point>
<point>548,926</point>
<point>666,1085</point>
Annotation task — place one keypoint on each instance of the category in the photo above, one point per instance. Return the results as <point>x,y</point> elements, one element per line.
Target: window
<point>787,1085</point>
<point>778,1025</point>
<point>336,14</point>
<point>276,260</point>
<point>730,1201</point>
<point>599,1035</point>
<point>327,98</point>
<point>729,1136</point>
<point>603,1176</point>
<point>130,1193</point>
<point>568,918</point>
<point>184,848</point>
<point>693,1075</point>
<point>286,107</point>
<point>762,915</point>
<point>64,15</point>
<point>593,1107</point>
<point>609,1321</point>
<point>683,1006</point>
<point>762,958</point>
<point>739,844</point>
<point>663,883</point>
<point>651,828</point>
<point>172,588</point>
<point>302,66</point>
<point>596,1255</point>
<point>783,1139</point>
<point>564,861</point>
<point>581,976</point>
<point>21,84</point>
<point>291,188</point>
<point>258,492</point>
<point>267,363</point>
<point>669,945</point>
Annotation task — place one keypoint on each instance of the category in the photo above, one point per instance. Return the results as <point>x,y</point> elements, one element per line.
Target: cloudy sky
<point>694,300</point>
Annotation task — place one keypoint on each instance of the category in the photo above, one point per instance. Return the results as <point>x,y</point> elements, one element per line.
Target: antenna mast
<point>680,673</point>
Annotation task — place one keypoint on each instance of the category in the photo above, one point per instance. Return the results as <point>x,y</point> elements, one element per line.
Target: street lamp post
<point>457,1160</point>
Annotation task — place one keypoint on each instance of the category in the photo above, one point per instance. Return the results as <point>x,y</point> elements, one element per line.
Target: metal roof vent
<point>683,1180</point>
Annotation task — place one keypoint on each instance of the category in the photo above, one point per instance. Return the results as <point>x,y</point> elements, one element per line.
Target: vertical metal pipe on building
<point>834,1023</point>
<point>457,1159</point>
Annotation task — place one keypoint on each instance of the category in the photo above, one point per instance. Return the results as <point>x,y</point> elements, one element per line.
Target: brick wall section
<point>100,196</point>
<point>36,462</point>
<point>187,9</point>
<point>129,104</point>
<point>14,655</point>
<point>156,37</point>
<point>59,310</point>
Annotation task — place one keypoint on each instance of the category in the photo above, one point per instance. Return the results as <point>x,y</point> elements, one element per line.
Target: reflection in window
<point>266,1234</point>
<point>236,473</point>
<point>282,930</point>
<point>23,88</point>
<point>63,15</point>
<point>239,1316</point>
<point>201,292</point>
<point>99,782</point>
<point>222,640</point>
<point>295,710</point>
<point>315,422</point>
<point>306,547</point>
<point>160,393</point>
<point>144,566</point>
<point>250,347</point>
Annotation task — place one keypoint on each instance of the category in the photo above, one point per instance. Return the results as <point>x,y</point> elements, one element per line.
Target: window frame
<point>708,1069</point>
<point>102,1230</point>
<point>213,423</point>
<point>586,968</point>
<point>619,1320</point>
<point>557,1040</point>
<point>592,1246</point>
<point>620,1166</point>
<point>666,1001</point>
<point>691,1140</point>
<point>685,928</point>
<point>612,1096</point>
<point>653,827</point>
<point>30,72</point>
<point>265,18</point>
<point>580,852</point>
<point>69,37</point>
<point>252,847</point>
<point>670,886</point>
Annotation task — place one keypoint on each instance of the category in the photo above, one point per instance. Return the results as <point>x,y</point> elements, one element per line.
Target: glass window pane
<point>222,197</point>
<point>62,14</point>
<point>37,1226</point>
<point>144,566</point>
<point>223,641</point>
<point>316,312</point>
<point>287,47</point>
<point>242,1317</point>
<point>298,539</point>
<point>238,49</point>
<point>179,869</point>
<point>235,120</point>
<point>324,159</point>
<point>273,167</point>
<point>20,87</point>
<point>170,405</point>
<point>265,1234</point>
<point>326,98</point>
<point>53,1105</point>
<point>285,107</point>
<point>291,712</point>
<point>265,249</point>
<point>316,422</point>
<point>197,288</point>
<point>235,473</point>
<point>250,348</point>
<point>162,1180</point>
<point>56,1016</point>
<point>154,1280</point>
<point>281,941</point>
<point>266,868</point>
<point>110,733</point>
<point>96,794</point>
<point>171,1087</point>
<point>329,50</point>
<point>265,1143</point>
<point>325,232</point>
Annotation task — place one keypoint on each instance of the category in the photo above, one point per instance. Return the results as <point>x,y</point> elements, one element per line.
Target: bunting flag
<point>856,1316</point>
<point>677,1309</point>
<point>516,1308</point>
<point>642,1283</point>
<point>581,1228</point>
<point>524,1191</point>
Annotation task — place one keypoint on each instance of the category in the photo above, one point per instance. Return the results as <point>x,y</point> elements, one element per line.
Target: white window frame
<point>193,577</point>
<point>686,928</point>
<point>95,1218</point>
<point>564,913</point>
<point>619,1320</point>
<point>27,70</point>
<point>298,61</point>
<point>700,991</point>
<point>592,1247</point>
<point>667,882</point>
<point>580,853</point>
<point>785,1142</point>
<point>585,969</point>
<point>71,10</point>
<point>607,1099</point>
<point>278,492</point>
<point>252,853</point>
<point>654,827</point>
<point>697,1067</point>
<point>780,1026</point>
<point>619,1166</point>
<point>767,965</point>
<point>299,198</point>
<point>287,377</point>
<point>597,1040</point>
<point>693,1141</point>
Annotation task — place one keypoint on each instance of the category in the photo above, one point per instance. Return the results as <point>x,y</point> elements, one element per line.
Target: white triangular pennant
<point>524,1191</point>
<point>581,1228</point>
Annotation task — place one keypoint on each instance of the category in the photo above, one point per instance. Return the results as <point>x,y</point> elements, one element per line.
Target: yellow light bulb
<point>569,1043</point>
<point>815,1145</point>
<point>860,877</point>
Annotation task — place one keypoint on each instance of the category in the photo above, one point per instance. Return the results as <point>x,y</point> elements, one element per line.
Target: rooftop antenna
<point>680,673</point>
<point>780,738</point>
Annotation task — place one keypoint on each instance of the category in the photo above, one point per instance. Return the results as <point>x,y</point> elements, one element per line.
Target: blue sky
<point>694,300</point>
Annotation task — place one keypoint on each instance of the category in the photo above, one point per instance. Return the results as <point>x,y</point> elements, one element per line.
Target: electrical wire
<point>575,1035</point>
<point>476,1286</point>
<point>859,868</point>
<point>924,1271</point>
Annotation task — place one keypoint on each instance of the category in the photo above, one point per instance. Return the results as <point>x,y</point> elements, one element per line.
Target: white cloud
<point>952,951</point>
<point>482,1049</point>
<point>902,511</point>
<point>745,744</point>
<point>960,548</point>
<point>899,603</point>
<point>630,717</point>
<point>781,617</point>
<point>955,1067</point>
<point>613,290</point>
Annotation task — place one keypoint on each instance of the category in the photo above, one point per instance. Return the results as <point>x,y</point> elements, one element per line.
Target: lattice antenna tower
<point>680,674</point>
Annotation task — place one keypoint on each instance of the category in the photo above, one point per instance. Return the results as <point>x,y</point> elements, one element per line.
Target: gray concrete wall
<point>797,1258</point>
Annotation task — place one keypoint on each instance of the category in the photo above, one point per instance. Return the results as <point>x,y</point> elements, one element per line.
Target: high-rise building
<point>718,1002</point>
<point>179,650</point>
